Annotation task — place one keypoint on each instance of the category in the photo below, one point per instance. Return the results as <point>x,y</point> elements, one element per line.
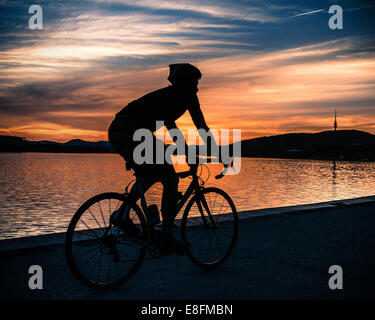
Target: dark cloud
<point>221,35</point>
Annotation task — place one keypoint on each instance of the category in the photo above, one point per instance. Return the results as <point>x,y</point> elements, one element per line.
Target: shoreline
<point>242,157</point>
<point>52,239</point>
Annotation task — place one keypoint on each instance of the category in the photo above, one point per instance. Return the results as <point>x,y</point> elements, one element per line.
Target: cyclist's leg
<point>124,146</point>
<point>146,184</point>
<point>164,173</point>
<point>127,224</point>
<point>152,173</point>
<point>169,179</point>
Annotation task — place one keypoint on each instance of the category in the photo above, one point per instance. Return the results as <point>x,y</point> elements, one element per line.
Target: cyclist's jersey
<point>166,104</point>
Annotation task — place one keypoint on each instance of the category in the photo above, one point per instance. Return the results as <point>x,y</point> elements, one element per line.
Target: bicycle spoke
<point>110,211</point>
<point>219,217</point>
<point>217,242</point>
<point>118,274</point>
<point>100,265</point>
<point>88,251</point>
<point>222,203</point>
<point>126,255</point>
<point>224,234</point>
<point>110,264</point>
<point>91,230</point>
<point>118,205</point>
<point>101,212</point>
<point>191,237</point>
<point>92,268</point>
<point>124,264</point>
<point>198,219</point>
<point>209,242</point>
<point>202,242</point>
<point>88,261</point>
<point>80,232</point>
<point>95,219</point>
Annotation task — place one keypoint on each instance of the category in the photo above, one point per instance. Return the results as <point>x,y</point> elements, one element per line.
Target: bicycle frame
<point>193,187</point>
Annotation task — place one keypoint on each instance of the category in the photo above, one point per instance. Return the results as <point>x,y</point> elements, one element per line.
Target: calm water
<point>40,192</point>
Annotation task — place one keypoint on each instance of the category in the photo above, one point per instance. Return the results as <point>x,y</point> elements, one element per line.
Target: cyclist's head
<point>184,75</point>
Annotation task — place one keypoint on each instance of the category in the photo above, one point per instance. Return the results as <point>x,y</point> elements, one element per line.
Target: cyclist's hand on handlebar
<point>225,169</point>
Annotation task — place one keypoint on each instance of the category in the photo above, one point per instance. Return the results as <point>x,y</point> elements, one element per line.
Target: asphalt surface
<point>283,257</point>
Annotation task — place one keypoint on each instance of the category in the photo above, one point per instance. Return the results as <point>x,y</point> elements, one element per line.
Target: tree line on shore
<point>342,144</point>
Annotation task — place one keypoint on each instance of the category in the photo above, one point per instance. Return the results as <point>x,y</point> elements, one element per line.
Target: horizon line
<point>3,135</point>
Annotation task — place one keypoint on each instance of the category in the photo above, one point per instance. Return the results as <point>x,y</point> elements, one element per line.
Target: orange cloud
<point>294,90</point>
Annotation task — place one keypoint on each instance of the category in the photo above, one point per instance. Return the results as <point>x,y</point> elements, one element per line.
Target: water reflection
<point>40,192</point>
<point>334,172</point>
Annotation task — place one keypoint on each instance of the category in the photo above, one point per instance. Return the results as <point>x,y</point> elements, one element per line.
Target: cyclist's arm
<point>172,125</point>
<point>199,121</point>
<point>197,114</point>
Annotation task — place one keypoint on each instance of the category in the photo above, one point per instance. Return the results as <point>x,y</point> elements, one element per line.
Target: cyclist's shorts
<point>122,142</point>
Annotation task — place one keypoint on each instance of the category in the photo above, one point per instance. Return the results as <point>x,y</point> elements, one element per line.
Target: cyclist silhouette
<point>166,105</point>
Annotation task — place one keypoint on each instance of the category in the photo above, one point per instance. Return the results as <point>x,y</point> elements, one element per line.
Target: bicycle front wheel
<point>210,227</point>
<point>98,253</point>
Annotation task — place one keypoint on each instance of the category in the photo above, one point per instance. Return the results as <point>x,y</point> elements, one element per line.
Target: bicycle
<point>113,257</point>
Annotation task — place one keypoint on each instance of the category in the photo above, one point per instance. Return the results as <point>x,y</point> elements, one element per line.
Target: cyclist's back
<point>165,105</point>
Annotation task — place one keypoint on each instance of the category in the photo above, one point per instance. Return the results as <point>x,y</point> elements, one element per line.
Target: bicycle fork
<point>202,200</point>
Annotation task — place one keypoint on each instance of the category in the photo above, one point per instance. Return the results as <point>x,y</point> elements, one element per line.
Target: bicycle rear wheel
<point>210,227</point>
<point>98,253</point>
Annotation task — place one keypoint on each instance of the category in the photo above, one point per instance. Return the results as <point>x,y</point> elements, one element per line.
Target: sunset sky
<point>268,67</point>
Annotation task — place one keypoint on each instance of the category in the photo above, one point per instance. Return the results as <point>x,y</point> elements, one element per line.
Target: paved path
<point>282,257</point>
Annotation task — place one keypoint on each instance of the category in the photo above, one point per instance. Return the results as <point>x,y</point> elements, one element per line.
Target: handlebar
<point>223,173</point>
<point>193,170</point>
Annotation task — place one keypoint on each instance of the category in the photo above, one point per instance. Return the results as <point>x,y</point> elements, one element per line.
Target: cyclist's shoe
<point>129,228</point>
<point>168,244</point>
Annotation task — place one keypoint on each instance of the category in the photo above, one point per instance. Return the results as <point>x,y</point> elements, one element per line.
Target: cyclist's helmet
<point>183,72</point>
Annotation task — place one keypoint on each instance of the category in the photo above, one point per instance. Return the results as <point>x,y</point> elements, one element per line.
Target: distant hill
<point>16,144</point>
<point>342,144</point>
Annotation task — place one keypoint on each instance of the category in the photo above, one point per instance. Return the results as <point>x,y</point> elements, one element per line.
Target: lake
<point>39,192</point>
